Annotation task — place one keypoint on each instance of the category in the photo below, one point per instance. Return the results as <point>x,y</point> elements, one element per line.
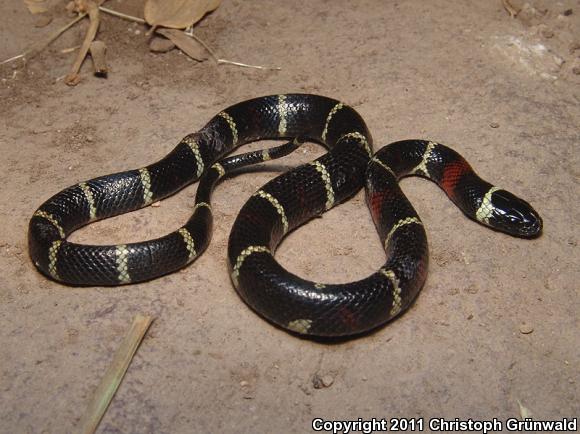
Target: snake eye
<point>514,215</point>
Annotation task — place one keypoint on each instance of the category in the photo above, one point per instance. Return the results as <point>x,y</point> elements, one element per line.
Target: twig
<point>115,373</point>
<point>69,50</point>
<point>36,48</point>
<point>12,59</point>
<point>245,65</point>
<point>73,77</point>
<point>225,61</point>
<point>122,15</point>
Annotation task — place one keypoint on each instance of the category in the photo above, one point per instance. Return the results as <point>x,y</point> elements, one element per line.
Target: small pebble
<point>327,381</point>
<point>526,328</point>
<point>568,12</point>
<point>319,382</point>
<point>494,125</point>
<point>244,383</point>
<point>470,316</point>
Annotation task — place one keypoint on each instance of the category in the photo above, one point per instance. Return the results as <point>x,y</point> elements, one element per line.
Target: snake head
<point>514,216</point>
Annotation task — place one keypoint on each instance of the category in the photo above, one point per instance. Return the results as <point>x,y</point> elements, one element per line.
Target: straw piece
<point>110,382</point>
<point>122,15</point>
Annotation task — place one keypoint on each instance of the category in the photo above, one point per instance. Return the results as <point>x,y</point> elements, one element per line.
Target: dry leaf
<point>213,5</point>
<point>177,14</point>
<point>37,6</point>
<point>186,44</point>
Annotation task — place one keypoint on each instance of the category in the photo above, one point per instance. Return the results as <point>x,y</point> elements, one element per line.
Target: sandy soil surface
<point>497,321</point>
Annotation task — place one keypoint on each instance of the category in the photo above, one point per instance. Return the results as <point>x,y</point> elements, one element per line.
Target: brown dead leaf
<point>186,44</point>
<point>36,6</point>
<point>177,14</point>
<point>213,5</point>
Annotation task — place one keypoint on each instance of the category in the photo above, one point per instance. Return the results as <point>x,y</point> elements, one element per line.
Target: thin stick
<point>12,59</point>
<point>69,50</point>
<point>110,382</point>
<point>33,50</point>
<point>229,62</point>
<point>122,15</point>
<point>245,65</point>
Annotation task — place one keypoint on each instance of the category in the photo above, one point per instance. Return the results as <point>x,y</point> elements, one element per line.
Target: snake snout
<point>515,216</point>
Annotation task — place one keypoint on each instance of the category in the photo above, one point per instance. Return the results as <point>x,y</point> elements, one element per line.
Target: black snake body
<point>281,205</point>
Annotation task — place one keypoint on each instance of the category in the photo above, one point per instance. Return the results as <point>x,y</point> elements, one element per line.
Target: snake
<point>286,202</point>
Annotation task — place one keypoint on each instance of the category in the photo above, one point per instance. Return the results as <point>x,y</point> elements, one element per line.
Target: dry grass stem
<point>122,15</point>
<point>69,50</point>
<point>36,48</point>
<point>110,382</point>
<point>228,62</point>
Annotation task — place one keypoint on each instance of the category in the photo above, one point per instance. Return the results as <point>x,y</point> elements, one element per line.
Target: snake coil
<point>281,205</point>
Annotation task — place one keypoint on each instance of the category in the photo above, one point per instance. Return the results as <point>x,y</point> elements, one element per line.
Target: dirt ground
<point>496,324</point>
